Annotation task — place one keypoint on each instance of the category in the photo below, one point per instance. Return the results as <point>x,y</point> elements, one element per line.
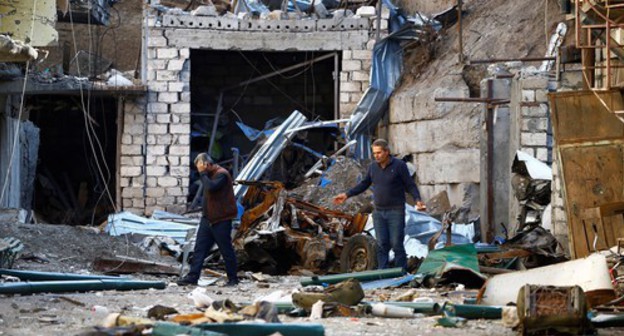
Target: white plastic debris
<point>384,310</point>
<point>317,310</point>
<point>366,11</point>
<point>200,298</point>
<point>118,80</point>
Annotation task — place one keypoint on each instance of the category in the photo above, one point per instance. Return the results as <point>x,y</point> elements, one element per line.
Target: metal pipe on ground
<point>262,329</point>
<point>361,276</point>
<point>427,308</point>
<point>77,286</point>
<point>51,276</point>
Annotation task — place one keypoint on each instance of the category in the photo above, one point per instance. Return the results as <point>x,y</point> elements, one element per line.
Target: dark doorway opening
<point>76,168</point>
<point>257,94</point>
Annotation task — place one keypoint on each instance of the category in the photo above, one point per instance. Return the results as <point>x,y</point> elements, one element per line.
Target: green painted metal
<point>76,286</point>
<point>361,276</point>
<point>427,308</point>
<point>173,329</point>
<point>471,311</point>
<point>264,329</point>
<point>52,276</point>
<point>459,260</point>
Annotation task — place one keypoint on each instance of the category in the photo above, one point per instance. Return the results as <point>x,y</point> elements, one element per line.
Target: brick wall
<point>155,154</point>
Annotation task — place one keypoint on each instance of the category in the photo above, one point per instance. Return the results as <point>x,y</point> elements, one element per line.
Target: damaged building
<point>507,114</point>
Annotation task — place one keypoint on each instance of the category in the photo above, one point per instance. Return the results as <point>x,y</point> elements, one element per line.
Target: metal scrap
<point>275,223</point>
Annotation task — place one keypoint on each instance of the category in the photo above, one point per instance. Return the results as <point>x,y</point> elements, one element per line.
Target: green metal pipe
<point>52,276</point>
<point>264,329</point>
<point>361,276</point>
<point>470,311</point>
<point>173,329</point>
<point>76,286</point>
<point>427,308</point>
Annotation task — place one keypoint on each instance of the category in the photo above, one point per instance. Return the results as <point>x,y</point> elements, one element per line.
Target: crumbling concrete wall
<point>531,130</point>
<point>155,153</point>
<point>443,137</point>
<point>119,42</point>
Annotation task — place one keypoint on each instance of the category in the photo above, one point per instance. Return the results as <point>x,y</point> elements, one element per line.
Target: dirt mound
<point>344,174</point>
<point>64,248</point>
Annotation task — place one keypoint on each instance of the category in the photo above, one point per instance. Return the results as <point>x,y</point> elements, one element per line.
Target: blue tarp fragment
<point>385,283</point>
<point>253,134</point>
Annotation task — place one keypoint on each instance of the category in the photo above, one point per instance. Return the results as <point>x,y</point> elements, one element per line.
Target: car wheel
<point>359,254</point>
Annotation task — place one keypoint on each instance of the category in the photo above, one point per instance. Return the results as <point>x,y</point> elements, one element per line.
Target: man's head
<point>203,162</point>
<point>381,151</point>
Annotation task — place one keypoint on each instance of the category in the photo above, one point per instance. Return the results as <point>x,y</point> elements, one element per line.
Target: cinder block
<point>155,171</point>
<point>541,153</point>
<point>151,182</point>
<point>278,25</point>
<point>163,118</point>
<point>157,41</point>
<point>180,171</point>
<point>184,139</point>
<point>356,96</point>
<point>156,64</point>
<point>156,150</point>
<point>201,22</point>
<point>165,200</point>
<point>362,54</point>
<point>167,53</point>
<point>174,191</point>
<point>130,150</point>
<point>351,65</point>
<point>344,76</point>
<point>163,139</point>
<point>176,86</point>
<point>533,139</point>
<point>131,192</point>
<point>342,24</point>
<point>157,108</point>
<point>126,139</point>
<point>175,64</point>
<point>167,75</point>
<point>361,76</point>
<point>528,95</point>
<point>534,82</point>
<point>124,182</point>
<point>156,129</point>
<point>179,150</point>
<point>345,97</point>
<point>130,171</point>
<point>180,108</point>
<point>155,192</point>
<point>158,86</point>
<point>351,87</point>
<point>185,97</point>
<point>168,97</point>
<point>534,124</point>
<point>185,53</point>
<point>133,129</point>
<point>167,181</point>
<point>535,111</point>
<point>179,129</point>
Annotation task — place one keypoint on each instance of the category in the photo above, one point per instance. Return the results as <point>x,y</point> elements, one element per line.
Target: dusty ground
<point>71,249</point>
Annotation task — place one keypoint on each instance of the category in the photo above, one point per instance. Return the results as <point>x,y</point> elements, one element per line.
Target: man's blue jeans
<point>390,232</point>
<point>207,235</point>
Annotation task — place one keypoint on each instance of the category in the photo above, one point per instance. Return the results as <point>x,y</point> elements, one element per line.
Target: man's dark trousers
<point>390,233</point>
<point>207,235</point>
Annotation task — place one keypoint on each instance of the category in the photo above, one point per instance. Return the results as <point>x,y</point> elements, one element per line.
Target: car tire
<point>359,254</point>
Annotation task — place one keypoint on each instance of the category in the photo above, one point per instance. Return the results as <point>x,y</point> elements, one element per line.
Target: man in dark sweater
<point>218,210</point>
<point>391,180</point>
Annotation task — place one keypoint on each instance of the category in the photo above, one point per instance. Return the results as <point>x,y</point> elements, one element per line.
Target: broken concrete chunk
<point>205,10</point>
<point>366,11</point>
<point>348,292</point>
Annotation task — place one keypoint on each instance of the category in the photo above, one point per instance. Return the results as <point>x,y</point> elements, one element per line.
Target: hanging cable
<point>19,116</point>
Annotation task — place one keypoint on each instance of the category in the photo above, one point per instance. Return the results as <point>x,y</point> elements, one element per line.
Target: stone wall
<point>155,155</point>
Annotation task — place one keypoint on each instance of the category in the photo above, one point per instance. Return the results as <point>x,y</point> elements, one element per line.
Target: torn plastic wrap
<point>386,70</point>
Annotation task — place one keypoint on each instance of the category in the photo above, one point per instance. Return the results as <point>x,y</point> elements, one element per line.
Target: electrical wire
<point>89,125</point>
<point>273,84</point>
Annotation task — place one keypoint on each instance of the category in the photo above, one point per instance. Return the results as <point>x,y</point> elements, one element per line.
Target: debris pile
<point>275,225</point>
<point>343,173</point>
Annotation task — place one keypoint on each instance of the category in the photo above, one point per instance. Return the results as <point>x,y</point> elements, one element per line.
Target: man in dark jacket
<point>218,210</point>
<point>391,180</point>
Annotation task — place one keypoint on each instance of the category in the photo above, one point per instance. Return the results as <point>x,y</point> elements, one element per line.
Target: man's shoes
<point>231,283</point>
<point>186,281</point>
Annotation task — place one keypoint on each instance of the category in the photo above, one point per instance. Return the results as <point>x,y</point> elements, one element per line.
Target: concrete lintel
<point>245,40</point>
